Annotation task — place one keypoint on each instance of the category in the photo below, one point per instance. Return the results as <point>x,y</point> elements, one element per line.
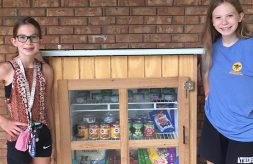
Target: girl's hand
<point>12,127</point>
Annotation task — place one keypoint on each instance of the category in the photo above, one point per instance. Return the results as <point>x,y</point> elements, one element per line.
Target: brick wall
<point>108,24</point>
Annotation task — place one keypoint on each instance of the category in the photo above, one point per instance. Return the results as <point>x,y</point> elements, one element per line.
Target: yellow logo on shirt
<point>236,68</point>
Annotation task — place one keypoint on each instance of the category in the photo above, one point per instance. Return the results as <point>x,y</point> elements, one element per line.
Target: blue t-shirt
<point>229,106</point>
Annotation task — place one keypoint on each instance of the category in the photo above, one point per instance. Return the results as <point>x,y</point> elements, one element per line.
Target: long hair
<point>25,21</point>
<point>210,34</point>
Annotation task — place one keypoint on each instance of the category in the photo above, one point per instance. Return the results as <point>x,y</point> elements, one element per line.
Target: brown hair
<point>24,21</point>
<point>210,34</point>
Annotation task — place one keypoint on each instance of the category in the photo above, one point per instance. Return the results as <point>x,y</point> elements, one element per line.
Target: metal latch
<point>188,86</point>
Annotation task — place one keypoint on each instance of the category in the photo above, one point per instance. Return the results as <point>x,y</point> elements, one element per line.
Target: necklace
<point>29,92</point>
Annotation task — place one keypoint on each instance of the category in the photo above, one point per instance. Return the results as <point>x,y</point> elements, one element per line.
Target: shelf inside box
<point>171,135</point>
<point>131,106</point>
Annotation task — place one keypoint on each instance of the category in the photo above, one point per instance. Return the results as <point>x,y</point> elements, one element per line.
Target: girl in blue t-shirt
<point>227,71</point>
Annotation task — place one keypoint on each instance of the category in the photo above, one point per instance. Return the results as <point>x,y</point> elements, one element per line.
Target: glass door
<point>153,116</point>
<point>94,119</point>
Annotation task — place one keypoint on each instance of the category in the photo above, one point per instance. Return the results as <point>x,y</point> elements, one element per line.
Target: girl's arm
<point>11,127</point>
<point>205,72</point>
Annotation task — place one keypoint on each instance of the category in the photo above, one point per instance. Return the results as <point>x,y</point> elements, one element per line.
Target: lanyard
<point>29,93</point>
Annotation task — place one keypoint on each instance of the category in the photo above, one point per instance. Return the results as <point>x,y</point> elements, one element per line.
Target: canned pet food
<point>149,128</point>
<point>82,131</point>
<point>105,131</point>
<point>137,129</point>
<point>115,130</point>
<point>93,131</point>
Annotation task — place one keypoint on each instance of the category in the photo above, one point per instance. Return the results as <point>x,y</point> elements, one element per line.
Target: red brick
<point>178,19</point>
<point>8,12</point>
<point>32,12</point>
<point>130,20</point>
<point>184,38</point>
<point>2,135</point>
<point>103,2</point>
<point>117,11</point>
<point>114,29</point>
<point>157,20</point>
<point>157,38</point>
<point>1,39</point>
<point>88,11</point>
<point>4,146</point>
<point>60,30</point>
<point>76,3</point>
<point>50,39</point>
<point>73,39</point>
<point>16,3</point>
<point>1,93</point>
<point>2,58</point>
<point>142,45</point>
<point>170,29</point>
<point>101,39</point>
<point>142,29</point>
<point>47,21</point>
<point>3,151</point>
<point>115,46</point>
<point>6,31</point>
<point>10,56</point>
<point>7,40</point>
<point>2,103</point>
<point>45,3</point>
<point>3,108</point>
<point>86,46</point>
<point>171,11</point>
<point>197,10</point>
<point>159,2</point>
<point>60,12</point>
<point>206,2</point>
<point>170,45</point>
<point>7,49</point>
<point>202,19</point>
<point>249,18</point>
<point>192,20</point>
<point>143,11</point>
<point>127,38</point>
<point>250,27</point>
<point>131,2</point>
<point>88,30</point>
<point>248,10</point>
<point>102,20</point>
<point>193,29</point>
<point>186,2</point>
<point>9,21</point>
<point>73,21</point>
<point>193,44</point>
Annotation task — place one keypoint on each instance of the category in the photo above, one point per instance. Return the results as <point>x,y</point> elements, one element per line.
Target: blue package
<point>162,120</point>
